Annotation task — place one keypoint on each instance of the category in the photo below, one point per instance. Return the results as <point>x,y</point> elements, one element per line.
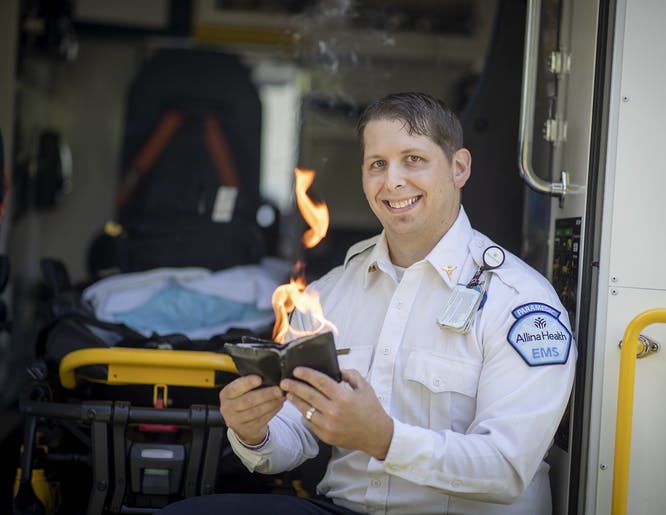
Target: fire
<point>292,296</point>
<point>314,213</point>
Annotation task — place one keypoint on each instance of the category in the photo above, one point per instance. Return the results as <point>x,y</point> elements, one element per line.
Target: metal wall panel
<point>647,495</point>
<point>632,278</point>
<point>638,240</point>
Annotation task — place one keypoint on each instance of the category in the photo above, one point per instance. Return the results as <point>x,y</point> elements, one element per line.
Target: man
<point>461,359</point>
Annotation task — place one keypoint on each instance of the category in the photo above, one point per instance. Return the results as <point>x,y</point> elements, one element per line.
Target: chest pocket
<point>447,387</point>
<point>357,358</point>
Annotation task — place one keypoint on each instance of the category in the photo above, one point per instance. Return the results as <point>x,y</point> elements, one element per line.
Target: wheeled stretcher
<point>140,456</point>
<point>120,422</point>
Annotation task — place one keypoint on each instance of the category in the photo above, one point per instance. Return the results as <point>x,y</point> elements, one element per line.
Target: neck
<point>405,257</point>
<point>407,249</point>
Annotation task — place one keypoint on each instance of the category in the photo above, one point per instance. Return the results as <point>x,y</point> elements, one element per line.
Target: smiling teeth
<point>402,203</point>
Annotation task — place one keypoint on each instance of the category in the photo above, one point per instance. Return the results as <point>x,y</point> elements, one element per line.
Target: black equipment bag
<point>189,190</point>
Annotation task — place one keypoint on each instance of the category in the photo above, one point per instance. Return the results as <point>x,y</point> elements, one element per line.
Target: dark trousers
<point>253,504</point>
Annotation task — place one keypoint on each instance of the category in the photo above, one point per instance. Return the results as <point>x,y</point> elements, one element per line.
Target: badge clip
<point>465,299</point>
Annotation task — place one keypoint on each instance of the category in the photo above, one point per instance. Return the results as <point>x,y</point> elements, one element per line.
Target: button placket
<point>393,329</point>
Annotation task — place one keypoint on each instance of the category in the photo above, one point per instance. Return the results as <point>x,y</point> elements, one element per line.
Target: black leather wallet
<point>275,361</point>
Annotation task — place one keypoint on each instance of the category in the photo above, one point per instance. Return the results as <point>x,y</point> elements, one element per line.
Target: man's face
<point>410,184</point>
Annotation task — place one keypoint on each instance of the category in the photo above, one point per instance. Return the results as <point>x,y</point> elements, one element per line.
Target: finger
<point>353,377</point>
<point>253,398</point>
<point>304,396</point>
<point>303,406</point>
<point>260,411</point>
<point>240,386</point>
<point>251,419</point>
<point>305,392</point>
<point>318,380</point>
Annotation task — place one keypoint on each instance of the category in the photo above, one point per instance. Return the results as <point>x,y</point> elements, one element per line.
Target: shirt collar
<point>378,260</point>
<point>449,255</point>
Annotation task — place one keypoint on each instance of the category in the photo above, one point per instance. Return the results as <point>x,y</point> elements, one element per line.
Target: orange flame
<point>292,296</point>
<point>314,213</point>
<point>288,297</point>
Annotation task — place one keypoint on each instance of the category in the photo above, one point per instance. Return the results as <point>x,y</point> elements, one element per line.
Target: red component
<point>158,428</point>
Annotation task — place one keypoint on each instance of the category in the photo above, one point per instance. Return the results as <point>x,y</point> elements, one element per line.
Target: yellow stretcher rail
<point>625,405</point>
<point>148,366</point>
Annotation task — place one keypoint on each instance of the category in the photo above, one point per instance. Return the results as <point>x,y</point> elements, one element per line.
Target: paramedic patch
<point>539,336</point>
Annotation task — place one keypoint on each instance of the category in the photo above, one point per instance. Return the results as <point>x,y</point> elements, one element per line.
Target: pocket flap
<point>440,374</point>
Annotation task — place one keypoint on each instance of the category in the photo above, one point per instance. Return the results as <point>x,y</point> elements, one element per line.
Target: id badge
<point>461,307</point>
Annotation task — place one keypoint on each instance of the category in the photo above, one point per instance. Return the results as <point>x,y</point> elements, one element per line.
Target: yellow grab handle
<point>148,366</point>
<point>625,406</point>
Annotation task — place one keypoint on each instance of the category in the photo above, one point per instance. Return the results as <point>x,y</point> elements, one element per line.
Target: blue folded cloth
<point>176,309</point>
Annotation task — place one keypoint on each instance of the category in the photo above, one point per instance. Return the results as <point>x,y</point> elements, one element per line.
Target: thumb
<point>353,377</point>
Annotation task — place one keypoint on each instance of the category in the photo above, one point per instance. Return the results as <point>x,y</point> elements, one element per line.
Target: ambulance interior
<point>507,67</point>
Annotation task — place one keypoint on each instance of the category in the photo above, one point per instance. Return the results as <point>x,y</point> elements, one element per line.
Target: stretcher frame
<point>125,366</point>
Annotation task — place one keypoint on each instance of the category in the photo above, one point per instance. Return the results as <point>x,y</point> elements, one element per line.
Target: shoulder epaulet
<point>360,247</point>
<point>513,272</point>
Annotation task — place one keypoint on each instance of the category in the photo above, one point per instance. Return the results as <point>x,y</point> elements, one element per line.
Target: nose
<point>395,177</point>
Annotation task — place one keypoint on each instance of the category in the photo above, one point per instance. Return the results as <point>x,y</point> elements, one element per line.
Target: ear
<point>462,167</point>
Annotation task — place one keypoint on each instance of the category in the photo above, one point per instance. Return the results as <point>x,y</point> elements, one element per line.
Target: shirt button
<point>376,483</point>
<point>436,381</point>
<point>380,397</point>
<point>398,304</point>
<point>387,351</point>
<point>456,483</point>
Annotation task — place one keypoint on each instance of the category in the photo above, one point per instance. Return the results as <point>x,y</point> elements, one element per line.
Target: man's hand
<point>352,418</point>
<point>247,409</point>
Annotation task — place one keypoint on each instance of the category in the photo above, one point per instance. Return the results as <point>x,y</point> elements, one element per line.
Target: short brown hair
<point>423,114</point>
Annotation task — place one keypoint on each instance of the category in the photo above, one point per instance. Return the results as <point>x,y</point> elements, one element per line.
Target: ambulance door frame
<point>572,493</point>
<point>589,282</point>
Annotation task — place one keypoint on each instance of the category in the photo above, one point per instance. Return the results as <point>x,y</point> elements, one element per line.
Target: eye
<point>414,159</point>
<point>380,163</point>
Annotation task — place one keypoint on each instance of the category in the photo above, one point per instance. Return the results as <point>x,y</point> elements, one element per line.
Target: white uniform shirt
<point>473,420</point>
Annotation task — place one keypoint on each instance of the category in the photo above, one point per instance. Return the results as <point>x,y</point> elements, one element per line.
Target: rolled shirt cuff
<point>258,446</point>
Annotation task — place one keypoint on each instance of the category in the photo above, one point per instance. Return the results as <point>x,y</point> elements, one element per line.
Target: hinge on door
<point>559,62</point>
<point>555,130</point>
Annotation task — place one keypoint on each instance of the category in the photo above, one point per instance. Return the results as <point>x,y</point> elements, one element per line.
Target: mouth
<point>402,205</point>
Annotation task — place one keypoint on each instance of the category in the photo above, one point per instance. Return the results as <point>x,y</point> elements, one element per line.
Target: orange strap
<point>219,152</point>
<point>148,154</point>
<point>216,144</point>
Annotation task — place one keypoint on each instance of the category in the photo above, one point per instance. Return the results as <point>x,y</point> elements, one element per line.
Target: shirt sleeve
<point>290,443</point>
<point>518,410</point>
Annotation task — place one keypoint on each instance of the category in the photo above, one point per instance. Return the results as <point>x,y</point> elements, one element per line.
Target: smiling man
<point>411,183</point>
<point>460,360</point>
